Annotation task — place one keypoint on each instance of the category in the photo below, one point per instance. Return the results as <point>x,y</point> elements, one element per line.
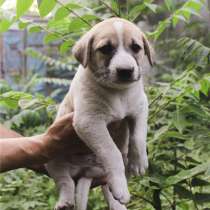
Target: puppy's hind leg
<point>65,184</point>
<point>112,203</point>
<point>82,191</point>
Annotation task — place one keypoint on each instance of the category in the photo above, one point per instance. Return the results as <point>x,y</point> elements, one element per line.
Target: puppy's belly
<point>85,166</point>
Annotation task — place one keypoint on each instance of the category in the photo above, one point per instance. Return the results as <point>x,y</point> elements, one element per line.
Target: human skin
<point>33,152</point>
<point>17,151</point>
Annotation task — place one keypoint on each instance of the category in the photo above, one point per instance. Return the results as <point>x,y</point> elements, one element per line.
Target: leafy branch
<point>189,8</point>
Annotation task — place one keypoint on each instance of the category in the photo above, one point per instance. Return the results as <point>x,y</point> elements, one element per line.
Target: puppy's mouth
<point>127,81</point>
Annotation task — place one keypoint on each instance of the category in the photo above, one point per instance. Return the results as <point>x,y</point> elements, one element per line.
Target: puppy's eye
<point>106,49</point>
<point>135,47</point>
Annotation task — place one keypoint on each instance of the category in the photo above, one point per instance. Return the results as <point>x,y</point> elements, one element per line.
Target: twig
<point>164,106</point>
<point>119,7</point>
<point>53,32</point>
<point>107,6</point>
<point>74,13</point>
<point>169,87</point>
<point>190,186</point>
<point>145,199</point>
<point>175,171</point>
<point>163,194</point>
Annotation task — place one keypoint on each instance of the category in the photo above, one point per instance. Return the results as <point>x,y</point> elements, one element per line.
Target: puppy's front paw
<point>119,188</point>
<point>137,165</point>
<point>64,205</point>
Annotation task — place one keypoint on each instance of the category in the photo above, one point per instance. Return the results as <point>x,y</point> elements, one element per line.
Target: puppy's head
<point>114,51</point>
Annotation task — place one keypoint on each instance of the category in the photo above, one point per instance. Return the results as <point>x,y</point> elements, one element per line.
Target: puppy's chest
<point>124,106</point>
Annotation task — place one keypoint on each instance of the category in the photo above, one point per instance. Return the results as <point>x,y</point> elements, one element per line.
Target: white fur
<point>112,203</point>
<point>82,191</point>
<point>122,59</point>
<point>95,106</point>
<point>118,26</point>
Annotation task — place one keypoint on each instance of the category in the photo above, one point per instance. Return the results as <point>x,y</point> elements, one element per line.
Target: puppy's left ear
<point>82,49</point>
<point>148,49</point>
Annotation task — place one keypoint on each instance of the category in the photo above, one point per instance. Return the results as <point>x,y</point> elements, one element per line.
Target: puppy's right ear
<point>148,50</point>
<point>82,49</point>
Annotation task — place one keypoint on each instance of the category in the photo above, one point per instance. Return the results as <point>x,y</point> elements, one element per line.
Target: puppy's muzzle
<point>125,74</point>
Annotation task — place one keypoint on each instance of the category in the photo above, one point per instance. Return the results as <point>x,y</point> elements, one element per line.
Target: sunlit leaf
<point>4,25</point>
<point>65,10</point>
<point>186,174</point>
<point>34,29</point>
<point>2,2</point>
<point>46,6</point>
<point>152,7</point>
<point>51,38</point>
<point>77,24</point>
<point>22,6</point>
<point>65,46</point>
<point>169,4</point>
<point>23,25</point>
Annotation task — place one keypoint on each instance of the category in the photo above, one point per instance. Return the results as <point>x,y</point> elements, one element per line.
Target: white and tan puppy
<point>107,88</point>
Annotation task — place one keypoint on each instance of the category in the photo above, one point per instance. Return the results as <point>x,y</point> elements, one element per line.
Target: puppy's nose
<point>125,73</point>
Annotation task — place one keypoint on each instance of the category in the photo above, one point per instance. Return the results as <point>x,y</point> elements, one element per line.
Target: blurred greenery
<point>178,177</point>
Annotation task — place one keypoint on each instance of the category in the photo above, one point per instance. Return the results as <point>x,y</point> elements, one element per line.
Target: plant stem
<point>171,204</point>
<point>74,13</point>
<point>157,200</point>
<point>175,171</point>
<point>110,8</point>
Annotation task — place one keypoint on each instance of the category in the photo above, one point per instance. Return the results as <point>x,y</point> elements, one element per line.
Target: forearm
<point>17,151</point>
<point>31,152</point>
<point>22,152</point>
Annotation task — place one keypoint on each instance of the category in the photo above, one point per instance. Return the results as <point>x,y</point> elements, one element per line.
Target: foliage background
<point>178,88</point>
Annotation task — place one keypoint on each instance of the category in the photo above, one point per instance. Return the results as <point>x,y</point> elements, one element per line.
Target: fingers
<point>67,118</point>
<point>62,127</point>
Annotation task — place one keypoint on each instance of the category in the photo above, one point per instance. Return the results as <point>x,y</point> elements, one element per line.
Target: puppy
<point>107,88</point>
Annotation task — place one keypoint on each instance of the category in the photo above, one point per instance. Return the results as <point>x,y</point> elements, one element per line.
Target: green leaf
<point>4,25</point>
<point>176,18</point>
<point>16,95</point>
<point>136,10</point>
<point>194,4</point>
<point>27,103</point>
<point>50,38</point>
<point>169,4</point>
<point>115,6</point>
<point>64,11</point>
<point>1,2</point>
<point>46,6</point>
<point>186,174</point>
<point>89,17</point>
<point>9,103</point>
<point>160,132</point>
<point>22,24</point>
<point>66,45</point>
<point>10,99</point>
<point>22,6</point>
<point>179,121</point>
<point>187,12</point>
<point>162,25</point>
<point>34,29</point>
<point>152,7</point>
<point>76,25</point>
<point>205,86</point>
<point>61,13</point>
